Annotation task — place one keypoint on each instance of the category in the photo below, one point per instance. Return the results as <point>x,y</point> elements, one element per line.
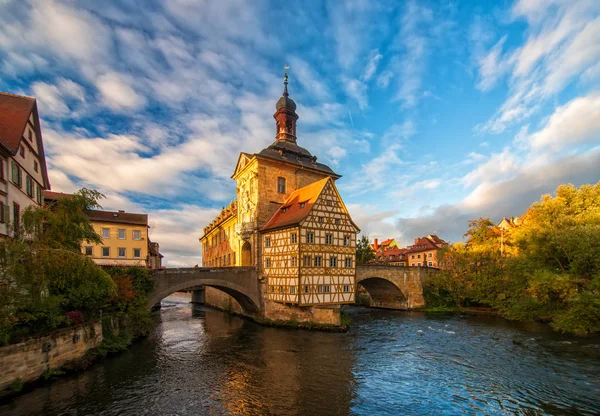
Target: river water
<point>390,363</point>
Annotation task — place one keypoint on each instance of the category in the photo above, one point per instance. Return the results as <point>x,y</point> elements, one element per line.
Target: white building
<point>23,173</point>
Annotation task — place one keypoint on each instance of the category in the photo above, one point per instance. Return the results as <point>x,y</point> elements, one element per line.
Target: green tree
<point>364,251</point>
<point>64,223</point>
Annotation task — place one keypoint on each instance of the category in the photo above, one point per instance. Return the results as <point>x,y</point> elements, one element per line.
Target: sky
<point>433,112</point>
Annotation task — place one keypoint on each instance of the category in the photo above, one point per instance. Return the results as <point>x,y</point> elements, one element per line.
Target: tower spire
<point>285,81</point>
<point>285,116</point>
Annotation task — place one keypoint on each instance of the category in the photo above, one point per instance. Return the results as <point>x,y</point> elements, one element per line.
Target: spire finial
<point>285,81</point>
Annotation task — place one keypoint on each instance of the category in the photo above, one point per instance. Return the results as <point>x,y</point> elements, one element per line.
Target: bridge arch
<point>240,283</point>
<point>384,293</point>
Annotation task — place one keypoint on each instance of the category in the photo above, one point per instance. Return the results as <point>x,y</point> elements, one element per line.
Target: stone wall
<point>327,315</point>
<point>28,360</point>
<point>221,300</point>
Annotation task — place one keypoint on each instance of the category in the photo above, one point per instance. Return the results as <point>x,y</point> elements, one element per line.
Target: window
<point>429,255</point>
<point>3,217</point>
<point>280,289</point>
<point>36,167</point>
<point>229,259</point>
<point>121,252</point>
<point>292,290</point>
<point>30,135</point>
<point>267,241</point>
<point>16,216</point>
<point>294,261</point>
<point>233,259</point>
<point>320,219</point>
<point>89,250</point>
<point>306,261</point>
<point>293,238</point>
<point>16,175</point>
<point>306,289</point>
<point>346,240</point>
<point>412,257</point>
<point>137,253</point>
<point>105,251</point>
<point>1,169</point>
<point>346,288</point>
<point>310,238</point>
<point>318,261</point>
<point>281,185</point>
<point>284,209</point>
<point>348,262</point>
<point>137,235</point>
<point>121,234</point>
<point>418,256</point>
<point>267,262</point>
<point>419,264</point>
<point>29,186</point>
<point>328,238</point>
<point>320,288</point>
<point>302,204</point>
<point>430,263</point>
<point>332,261</point>
<point>22,151</point>
<point>337,220</point>
<point>326,288</point>
<point>106,233</point>
<point>39,195</point>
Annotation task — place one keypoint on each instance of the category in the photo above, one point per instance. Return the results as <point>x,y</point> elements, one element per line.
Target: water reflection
<point>206,362</point>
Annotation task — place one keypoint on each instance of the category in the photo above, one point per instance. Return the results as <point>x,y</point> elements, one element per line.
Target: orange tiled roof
<point>14,113</point>
<point>386,242</point>
<point>291,212</point>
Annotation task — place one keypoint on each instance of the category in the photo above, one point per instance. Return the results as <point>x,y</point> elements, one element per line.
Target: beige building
<point>23,174</point>
<point>269,184</point>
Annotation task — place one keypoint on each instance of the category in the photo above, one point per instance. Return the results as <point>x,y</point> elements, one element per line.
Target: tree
<point>64,223</point>
<point>364,251</point>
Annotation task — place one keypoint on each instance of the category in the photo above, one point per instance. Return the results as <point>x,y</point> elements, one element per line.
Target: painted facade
<point>267,182</point>
<point>23,174</point>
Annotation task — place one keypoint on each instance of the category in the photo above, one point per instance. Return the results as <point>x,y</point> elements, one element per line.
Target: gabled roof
<point>15,110</point>
<point>118,217</point>
<point>297,206</point>
<point>53,196</point>
<point>14,113</point>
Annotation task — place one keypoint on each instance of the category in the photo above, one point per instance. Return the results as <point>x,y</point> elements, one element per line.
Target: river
<point>390,363</point>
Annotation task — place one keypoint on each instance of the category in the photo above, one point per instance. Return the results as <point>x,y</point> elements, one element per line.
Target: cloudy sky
<point>434,112</point>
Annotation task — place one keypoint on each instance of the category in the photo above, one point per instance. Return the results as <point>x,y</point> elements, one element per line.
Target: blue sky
<point>434,112</point>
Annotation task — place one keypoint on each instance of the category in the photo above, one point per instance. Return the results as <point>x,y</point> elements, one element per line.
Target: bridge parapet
<point>239,282</point>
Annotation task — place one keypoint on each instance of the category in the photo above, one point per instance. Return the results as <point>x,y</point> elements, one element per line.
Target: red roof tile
<point>14,113</point>
<point>292,212</point>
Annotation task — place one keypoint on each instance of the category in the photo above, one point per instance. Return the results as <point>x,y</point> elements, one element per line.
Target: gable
<point>14,114</point>
<point>330,207</point>
<point>243,161</point>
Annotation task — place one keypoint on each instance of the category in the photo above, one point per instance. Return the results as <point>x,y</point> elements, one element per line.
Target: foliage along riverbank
<point>46,283</point>
<point>546,268</point>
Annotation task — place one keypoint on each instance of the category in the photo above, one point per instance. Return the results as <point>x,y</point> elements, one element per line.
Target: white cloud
<point>492,67</point>
<point>576,122</point>
<point>117,92</point>
<point>371,67</point>
<point>357,90</point>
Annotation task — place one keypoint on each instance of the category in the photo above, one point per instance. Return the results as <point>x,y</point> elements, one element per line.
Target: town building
<point>509,223</point>
<point>23,173</point>
<point>393,256</point>
<point>424,252</point>
<point>384,245</point>
<point>125,238</point>
<point>288,220</point>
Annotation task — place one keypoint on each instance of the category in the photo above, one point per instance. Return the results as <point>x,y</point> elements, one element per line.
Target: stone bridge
<point>241,283</point>
<point>394,287</point>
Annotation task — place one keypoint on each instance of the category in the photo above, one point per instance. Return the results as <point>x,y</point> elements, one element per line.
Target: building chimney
<point>416,241</point>
<point>375,244</point>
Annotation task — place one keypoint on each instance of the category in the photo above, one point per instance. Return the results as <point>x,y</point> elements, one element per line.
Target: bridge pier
<point>199,296</point>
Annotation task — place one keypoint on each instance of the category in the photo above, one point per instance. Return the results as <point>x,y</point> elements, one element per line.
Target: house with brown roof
<point>23,173</point>
<point>424,252</point>
<point>125,238</point>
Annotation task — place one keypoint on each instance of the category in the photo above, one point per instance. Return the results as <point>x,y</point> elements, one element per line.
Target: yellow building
<point>268,186</point>
<point>124,238</point>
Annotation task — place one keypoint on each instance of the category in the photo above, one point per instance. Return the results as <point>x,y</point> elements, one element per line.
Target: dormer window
<point>302,204</point>
<point>284,209</point>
